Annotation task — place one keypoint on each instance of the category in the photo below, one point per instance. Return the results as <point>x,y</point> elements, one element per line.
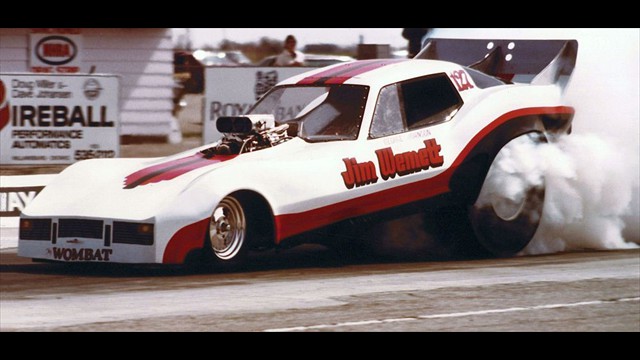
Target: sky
<point>339,36</point>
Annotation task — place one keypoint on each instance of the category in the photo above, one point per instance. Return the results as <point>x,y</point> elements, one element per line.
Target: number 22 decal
<point>461,79</point>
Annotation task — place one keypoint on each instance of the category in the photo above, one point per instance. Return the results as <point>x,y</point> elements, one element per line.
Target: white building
<point>141,57</point>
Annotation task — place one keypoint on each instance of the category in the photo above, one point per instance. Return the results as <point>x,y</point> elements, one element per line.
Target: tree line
<point>257,50</point>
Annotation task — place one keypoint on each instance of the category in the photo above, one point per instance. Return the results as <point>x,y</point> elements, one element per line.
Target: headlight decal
<point>132,233</point>
<point>35,229</point>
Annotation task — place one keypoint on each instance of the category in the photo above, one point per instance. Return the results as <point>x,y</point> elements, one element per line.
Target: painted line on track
<point>452,315</point>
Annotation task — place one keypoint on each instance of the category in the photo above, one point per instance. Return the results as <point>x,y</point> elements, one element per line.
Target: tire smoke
<point>513,170</point>
<point>589,193</point>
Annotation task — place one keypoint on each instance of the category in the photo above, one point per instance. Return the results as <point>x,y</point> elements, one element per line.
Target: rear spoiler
<point>534,61</point>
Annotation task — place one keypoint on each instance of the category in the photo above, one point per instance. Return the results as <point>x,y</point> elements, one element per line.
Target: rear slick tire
<point>504,224</point>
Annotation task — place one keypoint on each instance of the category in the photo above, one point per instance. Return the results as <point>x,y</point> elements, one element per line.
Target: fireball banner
<point>58,119</point>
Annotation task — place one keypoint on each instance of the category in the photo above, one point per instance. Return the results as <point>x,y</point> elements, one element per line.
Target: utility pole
<point>188,42</point>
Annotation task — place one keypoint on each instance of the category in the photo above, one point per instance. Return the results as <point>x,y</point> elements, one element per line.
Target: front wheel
<point>508,210</point>
<point>228,230</point>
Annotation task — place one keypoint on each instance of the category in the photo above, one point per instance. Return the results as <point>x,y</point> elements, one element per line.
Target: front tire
<point>228,232</point>
<point>508,210</point>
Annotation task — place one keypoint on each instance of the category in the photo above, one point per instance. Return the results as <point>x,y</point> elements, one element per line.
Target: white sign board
<point>58,119</point>
<point>231,91</point>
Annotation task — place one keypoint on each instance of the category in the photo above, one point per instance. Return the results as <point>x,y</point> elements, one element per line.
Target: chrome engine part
<point>242,134</point>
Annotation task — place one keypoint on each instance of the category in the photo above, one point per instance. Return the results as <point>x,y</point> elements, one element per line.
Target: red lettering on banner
<point>42,69</point>
<point>68,69</point>
<point>56,50</point>
<point>4,106</point>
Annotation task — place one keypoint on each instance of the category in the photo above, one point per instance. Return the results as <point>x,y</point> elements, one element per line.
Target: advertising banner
<point>231,91</point>
<point>58,119</point>
<point>17,191</point>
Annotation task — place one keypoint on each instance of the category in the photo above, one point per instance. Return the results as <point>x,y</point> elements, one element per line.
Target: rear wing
<point>532,61</point>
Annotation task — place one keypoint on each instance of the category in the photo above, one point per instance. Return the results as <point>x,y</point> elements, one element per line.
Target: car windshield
<point>316,113</point>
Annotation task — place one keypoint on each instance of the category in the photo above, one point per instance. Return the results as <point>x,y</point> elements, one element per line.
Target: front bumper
<point>87,240</point>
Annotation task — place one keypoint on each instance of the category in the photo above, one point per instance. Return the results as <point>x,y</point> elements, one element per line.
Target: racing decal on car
<point>84,254</point>
<point>342,73</point>
<point>358,174</point>
<point>409,162</point>
<point>390,164</point>
<point>172,169</point>
<point>461,79</point>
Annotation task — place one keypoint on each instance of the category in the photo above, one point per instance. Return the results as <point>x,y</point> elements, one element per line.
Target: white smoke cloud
<point>515,168</point>
<point>589,191</point>
<point>588,181</point>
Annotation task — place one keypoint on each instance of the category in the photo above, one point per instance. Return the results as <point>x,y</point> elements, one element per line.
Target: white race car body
<point>159,210</point>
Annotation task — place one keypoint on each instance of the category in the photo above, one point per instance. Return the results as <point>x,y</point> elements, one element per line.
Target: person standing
<point>290,56</point>
<point>414,36</point>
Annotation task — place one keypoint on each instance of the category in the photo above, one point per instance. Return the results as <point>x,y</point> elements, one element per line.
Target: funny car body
<point>369,139</point>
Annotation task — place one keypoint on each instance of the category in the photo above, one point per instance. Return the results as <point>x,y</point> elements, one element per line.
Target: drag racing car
<point>323,151</point>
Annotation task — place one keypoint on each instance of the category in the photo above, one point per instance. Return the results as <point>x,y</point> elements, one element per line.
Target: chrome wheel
<point>228,229</point>
<point>507,209</point>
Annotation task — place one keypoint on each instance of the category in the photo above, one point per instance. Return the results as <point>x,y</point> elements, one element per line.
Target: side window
<point>387,117</point>
<point>429,100</point>
<point>414,104</point>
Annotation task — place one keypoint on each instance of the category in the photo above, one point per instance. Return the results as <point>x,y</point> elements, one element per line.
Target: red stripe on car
<point>188,238</point>
<point>331,72</point>
<point>339,79</point>
<point>342,73</point>
<point>171,169</point>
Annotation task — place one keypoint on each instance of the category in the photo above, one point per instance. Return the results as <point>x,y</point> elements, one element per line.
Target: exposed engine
<point>247,133</point>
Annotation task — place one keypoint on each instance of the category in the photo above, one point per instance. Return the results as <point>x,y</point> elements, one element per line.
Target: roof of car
<point>372,72</point>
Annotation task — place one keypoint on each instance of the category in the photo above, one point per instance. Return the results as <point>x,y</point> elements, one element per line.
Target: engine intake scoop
<point>244,124</point>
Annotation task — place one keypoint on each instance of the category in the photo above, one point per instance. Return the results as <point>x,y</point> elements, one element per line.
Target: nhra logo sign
<point>56,50</point>
<point>55,53</point>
